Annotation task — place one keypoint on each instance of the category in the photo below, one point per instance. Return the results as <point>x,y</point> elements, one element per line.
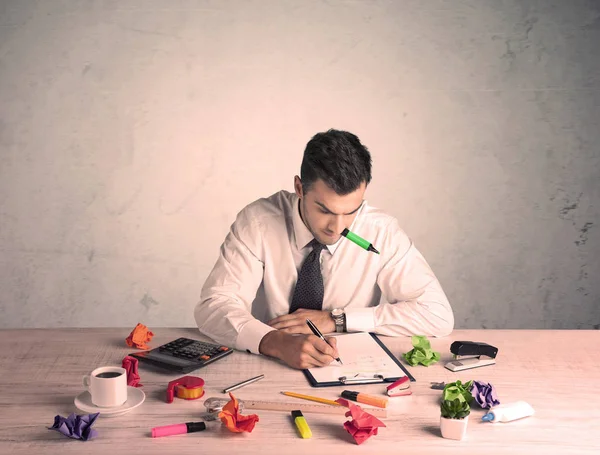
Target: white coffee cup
<point>107,386</point>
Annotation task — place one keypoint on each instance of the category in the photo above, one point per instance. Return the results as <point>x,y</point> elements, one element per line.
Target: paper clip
<point>360,379</point>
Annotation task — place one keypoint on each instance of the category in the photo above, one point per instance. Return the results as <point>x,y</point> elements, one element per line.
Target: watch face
<point>337,312</point>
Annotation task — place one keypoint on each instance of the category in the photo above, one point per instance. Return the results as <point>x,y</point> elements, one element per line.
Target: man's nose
<point>337,225</point>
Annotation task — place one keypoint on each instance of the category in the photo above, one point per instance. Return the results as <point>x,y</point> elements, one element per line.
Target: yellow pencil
<point>308,397</point>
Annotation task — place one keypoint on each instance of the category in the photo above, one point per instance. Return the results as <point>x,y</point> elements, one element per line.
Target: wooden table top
<point>557,372</point>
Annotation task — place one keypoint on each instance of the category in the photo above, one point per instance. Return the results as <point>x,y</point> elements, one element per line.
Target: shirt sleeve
<point>224,310</point>
<point>413,302</point>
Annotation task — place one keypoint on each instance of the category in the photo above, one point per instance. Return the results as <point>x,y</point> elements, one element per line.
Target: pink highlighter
<point>178,428</point>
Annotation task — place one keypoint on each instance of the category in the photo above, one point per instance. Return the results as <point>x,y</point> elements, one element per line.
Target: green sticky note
<point>421,352</point>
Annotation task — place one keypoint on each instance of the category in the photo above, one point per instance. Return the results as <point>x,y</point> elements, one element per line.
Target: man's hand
<point>296,322</point>
<point>299,351</point>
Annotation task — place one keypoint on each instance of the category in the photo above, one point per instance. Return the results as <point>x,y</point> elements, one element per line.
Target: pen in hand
<point>318,333</point>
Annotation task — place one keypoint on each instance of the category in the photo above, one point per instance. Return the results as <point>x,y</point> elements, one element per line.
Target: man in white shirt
<point>247,297</point>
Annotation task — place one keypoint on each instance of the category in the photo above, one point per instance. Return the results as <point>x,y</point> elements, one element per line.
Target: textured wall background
<point>131,133</point>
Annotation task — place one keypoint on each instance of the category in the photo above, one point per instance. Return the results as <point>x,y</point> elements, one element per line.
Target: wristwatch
<point>339,318</point>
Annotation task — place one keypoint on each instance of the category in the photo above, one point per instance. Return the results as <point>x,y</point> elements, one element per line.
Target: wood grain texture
<point>557,372</point>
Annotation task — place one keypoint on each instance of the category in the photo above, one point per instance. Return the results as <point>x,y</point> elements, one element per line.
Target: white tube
<point>508,412</point>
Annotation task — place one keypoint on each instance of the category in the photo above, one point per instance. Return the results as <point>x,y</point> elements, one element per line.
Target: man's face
<point>325,213</point>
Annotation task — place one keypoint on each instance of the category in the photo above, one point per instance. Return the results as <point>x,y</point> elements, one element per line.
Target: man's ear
<point>298,186</point>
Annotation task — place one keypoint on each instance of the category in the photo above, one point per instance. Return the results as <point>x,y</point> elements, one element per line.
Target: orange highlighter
<point>364,398</point>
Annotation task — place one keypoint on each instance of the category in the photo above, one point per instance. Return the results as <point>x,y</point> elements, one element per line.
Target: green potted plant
<point>455,409</point>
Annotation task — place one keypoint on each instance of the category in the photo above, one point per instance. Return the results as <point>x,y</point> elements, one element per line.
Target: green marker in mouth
<point>359,241</point>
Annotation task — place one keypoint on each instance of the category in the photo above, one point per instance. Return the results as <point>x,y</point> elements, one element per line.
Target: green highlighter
<point>359,241</point>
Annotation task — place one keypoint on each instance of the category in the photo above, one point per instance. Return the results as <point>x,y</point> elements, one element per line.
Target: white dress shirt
<point>392,293</point>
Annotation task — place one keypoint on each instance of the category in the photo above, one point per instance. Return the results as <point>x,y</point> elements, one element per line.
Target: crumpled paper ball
<point>363,425</point>
<point>421,352</point>
<point>139,336</point>
<point>131,367</point>
<point>233,420</point>
<point>76,426</point>
<point>484,394</point>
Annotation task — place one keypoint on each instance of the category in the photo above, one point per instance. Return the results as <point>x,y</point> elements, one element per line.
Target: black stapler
<point>471,354</point>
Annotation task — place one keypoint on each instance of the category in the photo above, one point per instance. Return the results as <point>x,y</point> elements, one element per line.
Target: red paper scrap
<point>139,336</point>
<point>343,402</point>
<point>131,367</point>
<point>363,425</point>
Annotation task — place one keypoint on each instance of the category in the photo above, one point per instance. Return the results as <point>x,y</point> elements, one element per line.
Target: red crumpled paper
<point>235,421</point>
<point>131,367</point>
<point>139,336</point>
<point>363,425</point>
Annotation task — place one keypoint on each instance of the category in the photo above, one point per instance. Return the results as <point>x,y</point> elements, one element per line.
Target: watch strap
<point>340,322</point>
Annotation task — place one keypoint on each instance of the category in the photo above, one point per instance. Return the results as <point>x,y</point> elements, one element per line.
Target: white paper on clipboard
<point>363,357</point>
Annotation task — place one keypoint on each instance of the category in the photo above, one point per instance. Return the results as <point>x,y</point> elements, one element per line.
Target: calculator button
<point>191,353</point>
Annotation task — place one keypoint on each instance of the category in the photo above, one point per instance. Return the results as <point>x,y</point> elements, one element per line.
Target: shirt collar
<point>301,232</point>
<point>304,236</point>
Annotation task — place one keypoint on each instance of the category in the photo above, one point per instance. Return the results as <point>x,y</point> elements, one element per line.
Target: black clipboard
<point>361,380</point>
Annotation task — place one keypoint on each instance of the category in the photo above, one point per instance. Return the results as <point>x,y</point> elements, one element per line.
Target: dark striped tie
<point>309,287</point>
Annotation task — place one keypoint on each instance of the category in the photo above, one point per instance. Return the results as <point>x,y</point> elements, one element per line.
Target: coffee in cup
<point>107,386</point>
<point>109,374</point>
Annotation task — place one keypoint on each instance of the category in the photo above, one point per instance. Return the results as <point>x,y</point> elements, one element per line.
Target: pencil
<point>308,397</point>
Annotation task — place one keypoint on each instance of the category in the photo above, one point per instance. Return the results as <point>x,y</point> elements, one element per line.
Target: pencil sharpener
<point>187,388</point>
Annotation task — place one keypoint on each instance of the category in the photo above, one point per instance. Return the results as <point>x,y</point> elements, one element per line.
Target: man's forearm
<point>230,323</point>
<point>414,317</point>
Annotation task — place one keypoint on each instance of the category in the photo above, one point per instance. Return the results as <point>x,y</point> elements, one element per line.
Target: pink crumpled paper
<point>363,425</point>
<point>131,367</point>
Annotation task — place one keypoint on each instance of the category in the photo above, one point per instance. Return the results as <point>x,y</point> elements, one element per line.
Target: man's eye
<point>323,211</point>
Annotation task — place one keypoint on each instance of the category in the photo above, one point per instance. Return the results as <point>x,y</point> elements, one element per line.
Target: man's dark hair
<point>339,159</point>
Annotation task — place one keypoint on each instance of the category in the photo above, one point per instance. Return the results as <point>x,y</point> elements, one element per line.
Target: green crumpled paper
<point>421,353</point>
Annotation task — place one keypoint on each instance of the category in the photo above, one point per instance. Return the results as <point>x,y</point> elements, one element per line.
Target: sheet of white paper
<point>362,356</point>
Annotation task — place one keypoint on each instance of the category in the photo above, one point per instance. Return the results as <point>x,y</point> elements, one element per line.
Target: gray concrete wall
<point>131,133</point>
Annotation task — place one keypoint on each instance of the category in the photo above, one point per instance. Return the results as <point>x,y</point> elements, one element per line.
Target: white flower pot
<point>454,428</point>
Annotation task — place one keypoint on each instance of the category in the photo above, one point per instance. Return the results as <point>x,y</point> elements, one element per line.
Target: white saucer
<point>135,397</point>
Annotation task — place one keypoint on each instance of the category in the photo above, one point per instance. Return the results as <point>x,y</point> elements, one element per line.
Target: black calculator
<point>183,355</point>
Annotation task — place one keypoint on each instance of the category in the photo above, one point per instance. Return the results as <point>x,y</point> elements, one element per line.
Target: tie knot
<point>316,245</point>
